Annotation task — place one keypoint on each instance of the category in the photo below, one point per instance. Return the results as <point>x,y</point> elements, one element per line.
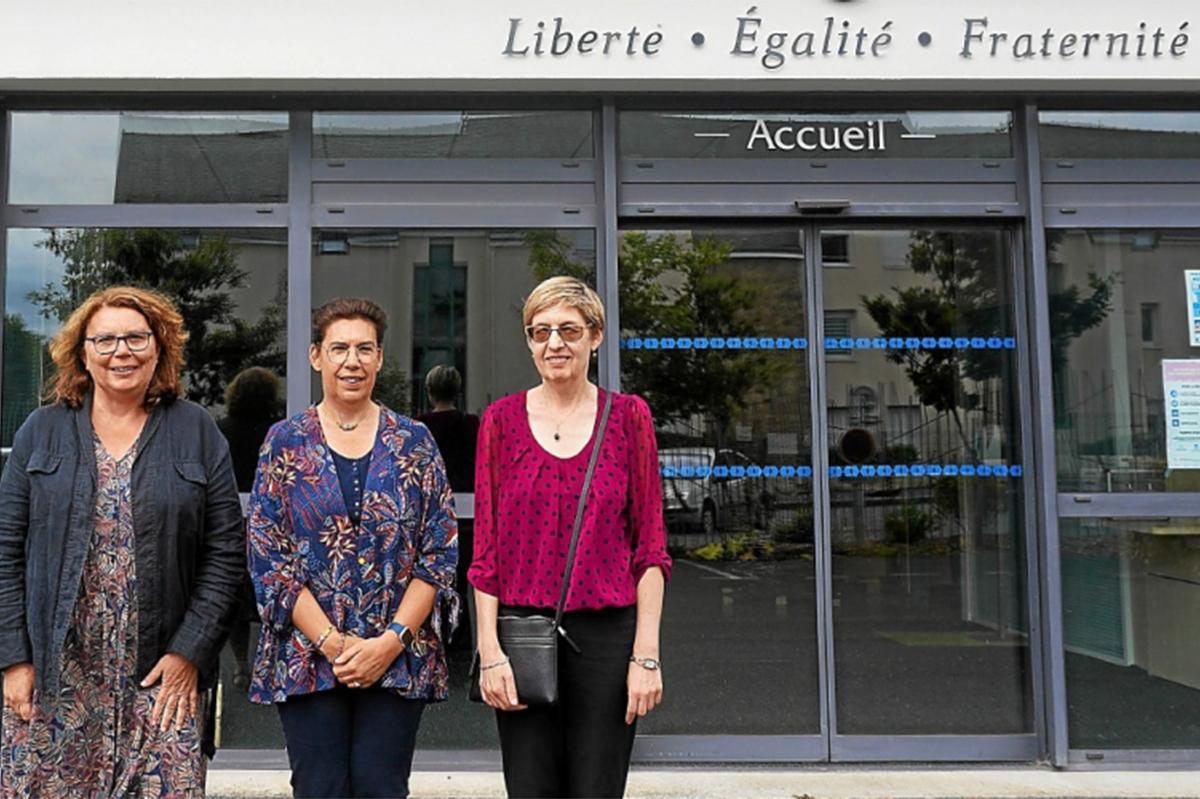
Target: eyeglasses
<point>107,344</point>
<point>340,353</point>
<point>569,332</point>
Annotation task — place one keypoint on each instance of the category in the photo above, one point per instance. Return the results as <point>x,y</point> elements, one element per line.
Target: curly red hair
<point>71,382</point>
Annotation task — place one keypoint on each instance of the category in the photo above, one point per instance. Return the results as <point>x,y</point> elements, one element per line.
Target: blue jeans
<point>350,742</point>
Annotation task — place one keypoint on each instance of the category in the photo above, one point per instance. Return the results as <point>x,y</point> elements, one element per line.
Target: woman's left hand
<point>365,660</point>
<point>645,688</point>
<point>177,699</point>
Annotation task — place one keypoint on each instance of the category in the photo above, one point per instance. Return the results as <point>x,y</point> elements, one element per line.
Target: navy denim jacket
<point>188,533</point>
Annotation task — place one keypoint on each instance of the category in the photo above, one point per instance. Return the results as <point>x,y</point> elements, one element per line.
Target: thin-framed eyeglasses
<point>107,343</point>
<point>570,332</point>
<point>339,352</point>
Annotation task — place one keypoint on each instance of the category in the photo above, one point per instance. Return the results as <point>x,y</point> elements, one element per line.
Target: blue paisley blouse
<point>300,534</point>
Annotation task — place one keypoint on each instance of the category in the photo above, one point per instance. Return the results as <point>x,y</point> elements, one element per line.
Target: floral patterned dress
<point>95,738</point>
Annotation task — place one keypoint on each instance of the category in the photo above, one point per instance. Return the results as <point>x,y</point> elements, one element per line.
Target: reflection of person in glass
<point>455,433</point>
<point>533,451</point>
<point>352,548</point>
<point>253,402</point>
<point>120,558</point>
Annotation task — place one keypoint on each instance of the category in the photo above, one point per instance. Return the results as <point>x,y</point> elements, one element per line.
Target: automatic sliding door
<point>925,515</point>
<point>714,337</point>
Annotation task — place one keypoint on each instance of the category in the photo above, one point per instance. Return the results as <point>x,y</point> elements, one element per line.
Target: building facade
<point>914,295</point>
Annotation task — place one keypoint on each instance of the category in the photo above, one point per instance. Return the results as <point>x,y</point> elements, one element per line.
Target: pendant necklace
<point>344,426</point>
<point>570,413</point>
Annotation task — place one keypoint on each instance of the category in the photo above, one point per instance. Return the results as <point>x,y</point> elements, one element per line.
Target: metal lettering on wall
<point>481,44</point>
<point>756,36</point>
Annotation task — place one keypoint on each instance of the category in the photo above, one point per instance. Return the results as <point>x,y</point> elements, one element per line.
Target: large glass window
<point>714,338</point>
<point>1120,134</point>
<point>1131,598</point>
<point>926,523</point>
<point>453,297</point>
<point>147,157</point>
<point>1125,330</point>
<point>454,134</point>
<point>230,286</point>
<point>745,134</point>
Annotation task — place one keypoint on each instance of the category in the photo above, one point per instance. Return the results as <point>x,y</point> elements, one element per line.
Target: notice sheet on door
<point>1192,277</point>
<point>1181,391</point>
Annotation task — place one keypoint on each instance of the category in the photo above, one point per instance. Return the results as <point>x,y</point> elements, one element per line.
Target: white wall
<point>387,44</point>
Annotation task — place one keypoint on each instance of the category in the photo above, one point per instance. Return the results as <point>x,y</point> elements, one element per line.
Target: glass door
<point>923,508</point>
<point>715,336</point>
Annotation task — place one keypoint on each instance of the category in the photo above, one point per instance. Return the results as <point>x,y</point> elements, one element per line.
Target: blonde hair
<point>568,291</point>
<point>71,381</point>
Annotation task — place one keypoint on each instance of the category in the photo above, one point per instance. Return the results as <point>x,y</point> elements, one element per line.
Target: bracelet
<point>497,664</point>
<point>324,637</point>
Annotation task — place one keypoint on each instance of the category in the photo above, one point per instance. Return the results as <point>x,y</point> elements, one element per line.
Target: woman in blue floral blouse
<point>352,546</point>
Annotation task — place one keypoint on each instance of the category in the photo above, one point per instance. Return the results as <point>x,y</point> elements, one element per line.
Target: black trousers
<point>581,746</point>
<point>350,742</point>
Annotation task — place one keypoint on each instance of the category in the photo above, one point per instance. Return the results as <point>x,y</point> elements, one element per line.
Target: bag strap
<point>587,483</point>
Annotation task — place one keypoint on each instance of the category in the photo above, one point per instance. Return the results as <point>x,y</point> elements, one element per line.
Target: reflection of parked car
<point>710,489</point>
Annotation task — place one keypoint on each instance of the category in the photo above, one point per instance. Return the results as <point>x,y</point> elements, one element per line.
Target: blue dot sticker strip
<point>863,472</point>
<point>831,343</point>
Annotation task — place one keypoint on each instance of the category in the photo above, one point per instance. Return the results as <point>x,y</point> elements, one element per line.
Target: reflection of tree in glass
<point>968,297</point>
<point>671,287</point>
<point>393,388</point>
<point>198,278</point>
<point>25,360</point>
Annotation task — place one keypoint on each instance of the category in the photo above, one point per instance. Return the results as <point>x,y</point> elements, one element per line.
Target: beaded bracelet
<point>497,664</point>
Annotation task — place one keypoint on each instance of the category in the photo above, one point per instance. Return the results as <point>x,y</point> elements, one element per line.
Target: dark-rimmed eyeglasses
<point>107,344</point>
<point>570,332</point>
<point>339,353</point>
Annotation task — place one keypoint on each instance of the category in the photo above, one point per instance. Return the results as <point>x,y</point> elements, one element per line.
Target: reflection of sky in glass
<point>410,124</point>
<point>72,158</point>
<point>63,158</point>
<point>30,267</point>
<point>1162,121</point>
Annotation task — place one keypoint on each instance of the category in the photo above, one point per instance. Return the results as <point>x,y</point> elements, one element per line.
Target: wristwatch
<point>650,664</point>
<point>403,633</point>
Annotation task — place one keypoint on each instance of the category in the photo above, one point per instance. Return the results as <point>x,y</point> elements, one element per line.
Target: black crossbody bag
<point>531,642</point>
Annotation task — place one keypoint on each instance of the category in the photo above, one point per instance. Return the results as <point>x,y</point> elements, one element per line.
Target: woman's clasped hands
<point>361,662</point>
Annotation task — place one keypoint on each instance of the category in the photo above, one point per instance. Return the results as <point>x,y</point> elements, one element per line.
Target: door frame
<point>1022,747</point>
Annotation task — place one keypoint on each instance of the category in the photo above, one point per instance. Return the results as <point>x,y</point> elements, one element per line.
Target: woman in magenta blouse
<point>533,451</point>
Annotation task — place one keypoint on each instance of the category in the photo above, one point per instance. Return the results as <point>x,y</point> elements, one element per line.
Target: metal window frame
<point>1028,169</point>
<point>1139,177</point>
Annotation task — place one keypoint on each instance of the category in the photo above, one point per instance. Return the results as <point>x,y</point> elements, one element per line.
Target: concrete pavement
<point>793,783</point>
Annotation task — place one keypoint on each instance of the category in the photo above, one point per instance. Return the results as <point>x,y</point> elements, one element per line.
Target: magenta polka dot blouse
<point>525,501</point>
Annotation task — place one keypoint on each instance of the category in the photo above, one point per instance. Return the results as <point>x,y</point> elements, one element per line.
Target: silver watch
<point>650,664</point>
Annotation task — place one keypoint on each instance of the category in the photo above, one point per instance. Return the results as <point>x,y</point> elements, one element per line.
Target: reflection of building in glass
<point>200,159</point>
<point>451,298</point>
<point>1108,384</point>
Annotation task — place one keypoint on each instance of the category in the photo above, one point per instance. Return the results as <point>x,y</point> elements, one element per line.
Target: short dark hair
<point>348,308</point>
<point>443,383</point>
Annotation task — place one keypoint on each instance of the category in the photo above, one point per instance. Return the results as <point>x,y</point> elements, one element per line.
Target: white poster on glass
<point>1192,276</point>
<point>1181,395</point>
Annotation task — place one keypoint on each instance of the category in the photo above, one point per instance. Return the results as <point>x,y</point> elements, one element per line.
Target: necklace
<point>570,413</point>
<point>344,426</point>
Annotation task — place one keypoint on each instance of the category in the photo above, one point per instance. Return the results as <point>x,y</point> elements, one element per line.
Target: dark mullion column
<point>822,540</point>
<point>607,244</point>
<point>299,259</point>
<point>1044,472</point>
<point>1026,397</point>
